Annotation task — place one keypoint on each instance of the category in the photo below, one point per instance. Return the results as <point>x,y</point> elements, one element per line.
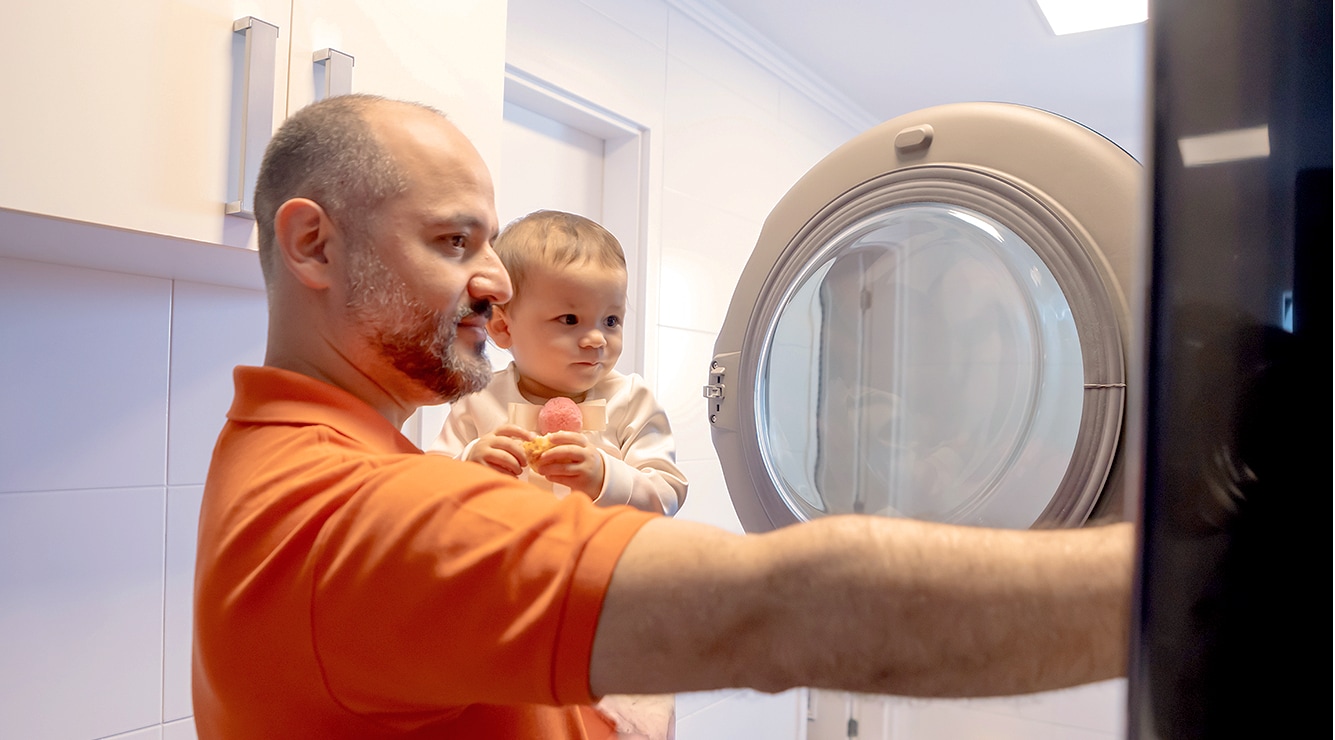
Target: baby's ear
<point>498,326</point>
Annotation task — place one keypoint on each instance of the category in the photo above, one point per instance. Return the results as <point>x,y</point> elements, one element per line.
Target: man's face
<point>419,342</point>
<point>420,286</point>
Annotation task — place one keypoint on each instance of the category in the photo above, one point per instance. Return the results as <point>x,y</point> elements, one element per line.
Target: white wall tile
<point>148,733</point>
<point>1098,706</point>
<point>1094,711</point>
<point>814,131</point>
<point>692,702</point>
<point>579,49</point>
<point>740,714</point>
<point>84,371</point>
<point>721,148</point>
<point>180,730</point>
<point>81,618</point>
<point>182,529</point>
<point>704,51</point>
<point>214,329</point>
<point>708,500</point>
<point>647,19</point>
<point>704,249</point>
<point>682,375</point>
<point>930,721</point>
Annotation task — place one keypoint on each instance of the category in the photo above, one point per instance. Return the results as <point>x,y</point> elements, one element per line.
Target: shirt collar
<point>270,395</point>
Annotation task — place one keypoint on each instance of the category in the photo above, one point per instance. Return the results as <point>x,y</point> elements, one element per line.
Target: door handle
<point>333,73</point>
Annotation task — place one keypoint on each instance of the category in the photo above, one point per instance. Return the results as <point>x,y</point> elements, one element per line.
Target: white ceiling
<point>893,56</point>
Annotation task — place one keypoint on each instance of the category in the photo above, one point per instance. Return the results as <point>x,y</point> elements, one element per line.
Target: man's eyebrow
<point>460,221</point>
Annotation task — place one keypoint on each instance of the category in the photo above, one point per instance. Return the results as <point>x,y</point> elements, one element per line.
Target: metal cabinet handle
<point>253,109</point>
<point>333,73</point>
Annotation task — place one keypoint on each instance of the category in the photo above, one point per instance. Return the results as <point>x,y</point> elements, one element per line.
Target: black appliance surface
<point>1234,598</point>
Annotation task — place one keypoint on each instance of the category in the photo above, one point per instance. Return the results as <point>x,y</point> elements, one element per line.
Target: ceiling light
<point>1225,146</point>
<point>1074,16</point>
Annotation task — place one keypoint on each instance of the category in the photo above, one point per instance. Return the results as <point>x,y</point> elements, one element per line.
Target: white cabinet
<point>449,55</point>
<point>843,715</point>
<point>120,114</point>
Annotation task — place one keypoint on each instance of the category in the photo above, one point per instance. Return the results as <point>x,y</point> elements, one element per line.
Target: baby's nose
<point>594,339</point>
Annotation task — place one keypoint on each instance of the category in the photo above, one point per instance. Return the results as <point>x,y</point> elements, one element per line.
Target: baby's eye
<point>568,319</point>
<point>612,322</point>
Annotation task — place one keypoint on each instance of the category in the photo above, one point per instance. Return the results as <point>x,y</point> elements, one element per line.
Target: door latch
<point>714,391</point>
<point>720,409</point>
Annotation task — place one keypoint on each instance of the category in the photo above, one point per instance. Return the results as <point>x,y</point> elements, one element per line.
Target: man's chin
<point>471,375</point>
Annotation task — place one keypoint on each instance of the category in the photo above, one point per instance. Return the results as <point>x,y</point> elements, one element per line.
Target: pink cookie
<point>560,414</point>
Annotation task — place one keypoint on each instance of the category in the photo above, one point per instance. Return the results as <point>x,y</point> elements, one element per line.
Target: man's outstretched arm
<point>868,604</point>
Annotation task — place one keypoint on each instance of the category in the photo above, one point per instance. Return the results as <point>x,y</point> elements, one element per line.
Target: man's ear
<point>302,231</point>
<point>498,326</point>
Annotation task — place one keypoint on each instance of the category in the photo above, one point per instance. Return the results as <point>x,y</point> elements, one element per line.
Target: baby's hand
<point>572,461</point>
<point>502,450</point>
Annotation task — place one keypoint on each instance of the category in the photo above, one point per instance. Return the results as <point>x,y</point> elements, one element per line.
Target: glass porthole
<point>925,365</point>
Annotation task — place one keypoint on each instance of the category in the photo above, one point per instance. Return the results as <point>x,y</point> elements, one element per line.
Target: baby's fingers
<point>502,455</point>
<point>564,439</point>
<point>511,431</point>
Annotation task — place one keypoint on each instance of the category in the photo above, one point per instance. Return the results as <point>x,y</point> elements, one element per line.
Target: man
<point>350,586</point>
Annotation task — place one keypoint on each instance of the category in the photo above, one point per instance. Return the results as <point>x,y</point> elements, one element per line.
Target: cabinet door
<point>447,55</point>
<point>119,113</point>
<point>828,714</point>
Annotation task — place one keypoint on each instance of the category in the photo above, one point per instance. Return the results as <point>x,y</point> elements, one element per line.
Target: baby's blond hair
<point>553,240</point>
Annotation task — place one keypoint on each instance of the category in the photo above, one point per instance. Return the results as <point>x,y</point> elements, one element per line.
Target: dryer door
<point>933,325</point>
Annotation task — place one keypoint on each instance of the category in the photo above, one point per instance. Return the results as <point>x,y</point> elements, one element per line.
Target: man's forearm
<point>867,604</point>
<point>962,612</point>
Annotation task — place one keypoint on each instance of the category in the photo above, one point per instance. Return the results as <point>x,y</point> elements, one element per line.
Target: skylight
<point>1075,16</point>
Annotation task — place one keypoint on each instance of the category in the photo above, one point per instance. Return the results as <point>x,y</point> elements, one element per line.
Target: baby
<point>563,326</point>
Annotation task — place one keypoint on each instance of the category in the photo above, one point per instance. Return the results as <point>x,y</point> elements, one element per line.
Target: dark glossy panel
<point>1233,614</point>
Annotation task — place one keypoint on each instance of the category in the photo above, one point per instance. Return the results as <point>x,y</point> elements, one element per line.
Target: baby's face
<point>566,329</point>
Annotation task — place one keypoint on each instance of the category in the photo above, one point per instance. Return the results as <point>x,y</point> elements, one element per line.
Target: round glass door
<point>932,326</point>
<point>925,365</point>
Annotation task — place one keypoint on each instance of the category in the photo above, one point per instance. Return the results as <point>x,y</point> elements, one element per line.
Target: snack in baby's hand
<point>559,414</point>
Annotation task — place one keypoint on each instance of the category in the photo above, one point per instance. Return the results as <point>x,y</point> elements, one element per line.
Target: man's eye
<point>455,241</point>
<point>568,319</point>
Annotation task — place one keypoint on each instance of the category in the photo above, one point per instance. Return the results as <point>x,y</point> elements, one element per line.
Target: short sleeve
<point>440,583</point>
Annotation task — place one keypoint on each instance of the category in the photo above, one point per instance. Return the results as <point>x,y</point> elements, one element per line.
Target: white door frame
<point>625,202</point>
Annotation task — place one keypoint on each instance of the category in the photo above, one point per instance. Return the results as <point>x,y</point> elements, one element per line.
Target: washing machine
<point>934,323</point>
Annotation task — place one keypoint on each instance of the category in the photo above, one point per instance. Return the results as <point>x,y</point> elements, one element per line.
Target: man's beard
<point>418,342</point>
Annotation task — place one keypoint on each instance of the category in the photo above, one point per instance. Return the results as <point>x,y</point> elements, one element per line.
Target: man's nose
<point>491,282</point>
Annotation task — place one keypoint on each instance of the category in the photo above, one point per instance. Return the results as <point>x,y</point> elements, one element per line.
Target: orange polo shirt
<point>349,586</point>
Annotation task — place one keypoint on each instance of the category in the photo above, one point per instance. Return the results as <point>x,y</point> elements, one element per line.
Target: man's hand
<point>502,450</point>
<point>572,461</point>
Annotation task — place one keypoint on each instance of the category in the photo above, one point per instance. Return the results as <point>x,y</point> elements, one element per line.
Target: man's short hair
<point>329,153</point>
<point>544,240</point>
